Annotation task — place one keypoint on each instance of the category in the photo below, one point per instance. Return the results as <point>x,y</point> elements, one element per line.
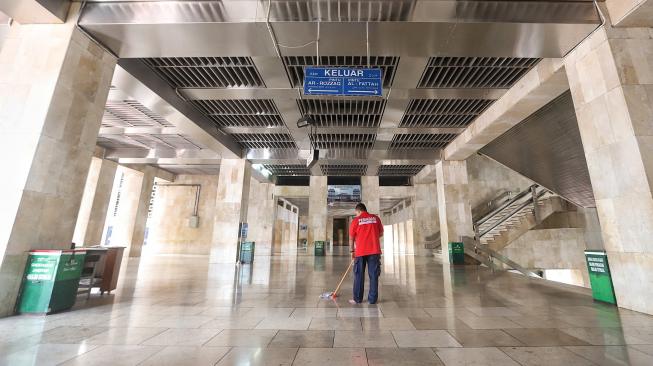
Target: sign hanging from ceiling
<point>343,81</point>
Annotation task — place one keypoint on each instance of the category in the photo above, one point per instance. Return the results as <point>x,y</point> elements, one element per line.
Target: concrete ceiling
<point>233,71</point>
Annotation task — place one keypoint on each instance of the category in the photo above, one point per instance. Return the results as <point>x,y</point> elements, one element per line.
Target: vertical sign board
<point>319,248</point>
<point>456,253</point>
<point>343,81</point>
<point>600,277</point>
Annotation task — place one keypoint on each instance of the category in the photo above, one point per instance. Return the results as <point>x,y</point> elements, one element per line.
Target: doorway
<point>340,232</point>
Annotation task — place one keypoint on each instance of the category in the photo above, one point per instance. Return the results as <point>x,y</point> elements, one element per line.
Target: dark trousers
<point>373,263</point>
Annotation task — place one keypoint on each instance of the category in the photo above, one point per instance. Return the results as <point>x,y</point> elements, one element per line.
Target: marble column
<point>427,223</point>
<point>317,211</point>
<point>231,208</point>
<point>454,209</point>
<point>370,193</point>
<point>611,80</point>
<point>95,202</point>
<point>261,216</point>
<point>144,196</point>
<point>54,84</point>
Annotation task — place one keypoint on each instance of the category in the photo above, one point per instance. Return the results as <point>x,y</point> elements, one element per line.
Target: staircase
<point>516,216</point>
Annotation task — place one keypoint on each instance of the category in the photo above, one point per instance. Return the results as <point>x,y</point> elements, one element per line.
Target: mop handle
<point>343,277</point>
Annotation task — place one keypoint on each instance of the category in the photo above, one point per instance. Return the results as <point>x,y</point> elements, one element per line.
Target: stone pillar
<point>54,84</point>
<point>317,211</point>
<point>231,208</point>
<point>611,80</point>
<point>261,216</point>
<point>95,202</point>
<point>427,223</point>
<point>454,209</point>
<point>370,193</point>
<point>144,196</point>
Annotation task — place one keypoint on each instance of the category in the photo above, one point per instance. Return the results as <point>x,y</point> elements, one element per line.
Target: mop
<point>334,294</point>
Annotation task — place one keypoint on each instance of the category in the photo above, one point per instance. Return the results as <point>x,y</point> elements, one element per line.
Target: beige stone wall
<point>426,221</point>
<point>611,81</point>
<point>370,193</point>
<point>488,179</point>
<point>54,84</point>
<point>317,211</point>
<point>90,224</point>
<point>170,232</point>
<point>633,13</point>
<point>260,216</point>
<point>286,229</point>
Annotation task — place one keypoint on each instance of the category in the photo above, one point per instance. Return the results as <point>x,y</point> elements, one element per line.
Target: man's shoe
<point>353,302</point>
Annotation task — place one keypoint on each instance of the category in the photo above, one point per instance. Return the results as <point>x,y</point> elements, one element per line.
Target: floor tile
<point>359,313</point>
<point>303,339</point>
<point>603,336</point>
<point>232,323</point>
<point>330,357</point>
<point>646,348</point>
<point>186,355</point>
<point>424,338</point>
<point>364,339</point>
<point>403,312</point>
<point>314,313</point>
<point>401,357</point>
<point>489,322</point>
<point>183,321</point>
<point>284,323</point>
<point>370,324</point>
<point>484,338</point>
<point>259,357</point>
<point>45,354</point>
<point>492,311</point>
<point>242,338</point>
<point>182,337</point>
<point>114,355</point>
<point>474,356</point>
<point>73,334</point>
<point>613,355</point>
<point>438,323</point>
<point>117,336</point>
<point>545,356</point>
<point>545,337</point>
<point>335,324</point>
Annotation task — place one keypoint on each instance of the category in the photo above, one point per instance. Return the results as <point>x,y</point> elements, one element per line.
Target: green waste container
<point>600,278</point>
<point>319,248</point>
<point>50,281</point>
<point>247,251</point>
<point>456,253</point>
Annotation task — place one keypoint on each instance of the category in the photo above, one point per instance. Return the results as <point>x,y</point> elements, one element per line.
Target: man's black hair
<point>361,207</point>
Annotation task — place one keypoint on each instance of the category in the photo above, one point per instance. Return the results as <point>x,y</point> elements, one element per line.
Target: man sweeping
<point>365,233</point>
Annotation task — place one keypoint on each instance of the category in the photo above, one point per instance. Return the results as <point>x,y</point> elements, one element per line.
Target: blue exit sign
<point>343,81</point>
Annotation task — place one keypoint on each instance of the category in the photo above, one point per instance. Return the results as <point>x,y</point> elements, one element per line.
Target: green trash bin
<point>50,281</point>
<point>319,248</point>
<point>456,253</point>
<point>247,251</point>
<point>600,278</point>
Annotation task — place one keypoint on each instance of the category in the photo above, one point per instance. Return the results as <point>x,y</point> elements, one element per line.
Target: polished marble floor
<point>183,311</point>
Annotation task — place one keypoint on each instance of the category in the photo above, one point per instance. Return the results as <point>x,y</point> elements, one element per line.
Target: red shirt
<point>366,229</point>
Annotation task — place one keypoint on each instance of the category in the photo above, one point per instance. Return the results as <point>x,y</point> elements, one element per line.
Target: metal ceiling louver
<point>265,140</point>
<point>207,72</point>
<point>361,141</point>
<point>288,169</point>
<point>130,113</point>
<point>342,10</point>
<point>343,170</point>
<point>443,112</point>
<point>420,141</point>
<point>475,72</point>
<point>399,170</point>
<point>241,112</point>
<point>343,113</point>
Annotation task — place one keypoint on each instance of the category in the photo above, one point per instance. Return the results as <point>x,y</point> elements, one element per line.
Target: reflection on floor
<point>183,311</point>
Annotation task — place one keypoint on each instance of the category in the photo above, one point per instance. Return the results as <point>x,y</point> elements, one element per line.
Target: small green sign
<point>456,253</point>
<point>319,248</point>
<point>600,278</point>
<point>247,251</point>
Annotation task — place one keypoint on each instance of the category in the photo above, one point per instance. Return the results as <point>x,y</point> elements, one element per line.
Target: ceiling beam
<point>36,11</point>
<point>134,78</point>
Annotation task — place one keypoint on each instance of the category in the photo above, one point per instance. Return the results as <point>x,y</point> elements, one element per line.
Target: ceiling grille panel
<point>475,72</point>
<point>343,170</point>
<point>343,113</point>
<point>117,142</point>
<point>342,10</point>
<point>241,112</point>
<point>443,112</point>
<point>265,140</point>
<point>288,169</point>
<point>296,64</point>
<point>360,141</point>
<point>421,141</point>
<point>207,72</point>
<point>130,113</point>
<point>399,170</point>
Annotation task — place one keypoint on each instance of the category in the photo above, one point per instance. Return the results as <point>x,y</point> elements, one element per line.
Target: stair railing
<point>534,193</point>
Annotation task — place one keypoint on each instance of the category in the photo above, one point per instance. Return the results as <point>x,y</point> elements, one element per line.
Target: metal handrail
<point>505,260</point>
<point>519,208</point>
<point>510,202</point>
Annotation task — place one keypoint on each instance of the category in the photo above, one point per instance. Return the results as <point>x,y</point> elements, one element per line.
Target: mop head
<point>328,295</point>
